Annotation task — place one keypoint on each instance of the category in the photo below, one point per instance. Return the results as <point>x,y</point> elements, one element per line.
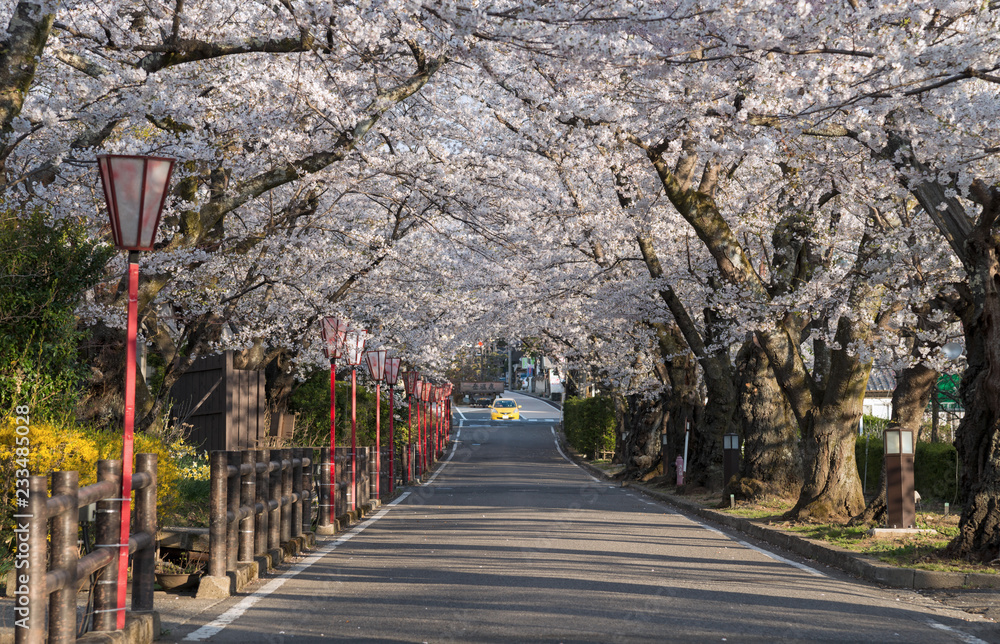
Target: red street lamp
<point>135,189</point>
<point>375,360</point>
<point>410,379</point>
<point>448,388</point>
<point>354,346</point>
<point>333,331</point>
<point>391,377</point>
<point>425,396</point>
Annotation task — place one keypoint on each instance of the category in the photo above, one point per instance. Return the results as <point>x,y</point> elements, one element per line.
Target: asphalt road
<point>511,543</point>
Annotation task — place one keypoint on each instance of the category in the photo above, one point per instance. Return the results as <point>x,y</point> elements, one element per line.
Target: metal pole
<point>108,525</point>
<point>378,436</point>
<point>64,526</point>
<point>392,443</point>
<point>333,438</point>
<point>248,496</point>
<point>144,561</point>
<point>354,436</point>
<point>218,462</point>
<point>129,421</point>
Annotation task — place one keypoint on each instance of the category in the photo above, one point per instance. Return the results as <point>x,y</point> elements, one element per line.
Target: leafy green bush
<point>311,401</point>
<point>933,467</point>
<point>590,424</point>
<point>44,271</point>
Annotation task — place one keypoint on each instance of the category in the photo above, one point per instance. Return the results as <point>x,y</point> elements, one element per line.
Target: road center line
<point>234,613</point>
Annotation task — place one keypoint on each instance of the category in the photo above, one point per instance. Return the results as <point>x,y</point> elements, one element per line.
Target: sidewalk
<point>977,593</point>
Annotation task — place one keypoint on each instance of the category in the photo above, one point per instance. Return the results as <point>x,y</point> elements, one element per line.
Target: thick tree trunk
<point>978,436</point>
<point>914,386</point>
<point>643,421</point>
<point>772,464</point>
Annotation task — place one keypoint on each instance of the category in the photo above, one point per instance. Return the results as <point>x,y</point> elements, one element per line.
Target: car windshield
<point>504,403</point>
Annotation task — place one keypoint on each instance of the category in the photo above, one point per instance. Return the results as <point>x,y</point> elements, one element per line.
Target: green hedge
<point>311,401</point>
<point>933,468</point>
<point>589,424</point>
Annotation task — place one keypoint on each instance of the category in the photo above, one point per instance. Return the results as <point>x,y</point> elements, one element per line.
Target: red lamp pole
<point>391,377</point>
<point>410,383</point>
<point>135,189</point>
<point>419,395</point>
<point>334,332</point>
<point>425,396</point>
<point>375,360</point>
<point>355,345</point>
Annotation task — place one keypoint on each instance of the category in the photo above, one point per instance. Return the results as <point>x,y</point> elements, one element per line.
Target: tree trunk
<point>772,464</point>
<point>909,400</point>
<point>978,436</point>
<point>643,421</point>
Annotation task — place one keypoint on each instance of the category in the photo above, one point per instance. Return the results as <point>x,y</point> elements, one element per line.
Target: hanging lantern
<point>135,188</point>
<point>375,361</point>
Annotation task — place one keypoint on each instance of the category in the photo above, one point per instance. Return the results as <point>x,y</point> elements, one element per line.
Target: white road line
<point>454,444</point>
<point>556,437</point>
<point>459,412</point>
<point>766,553</point>
<point>237,611</point>
<point>965,637</point>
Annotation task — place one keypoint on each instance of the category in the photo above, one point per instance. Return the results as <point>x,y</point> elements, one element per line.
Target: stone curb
<point>853,563</point>
<point>140,628</point>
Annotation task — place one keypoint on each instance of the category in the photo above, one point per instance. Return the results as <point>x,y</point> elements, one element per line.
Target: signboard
<point>482,387</point>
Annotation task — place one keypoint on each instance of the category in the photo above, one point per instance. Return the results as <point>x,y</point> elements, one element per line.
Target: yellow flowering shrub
<point>65,447</point>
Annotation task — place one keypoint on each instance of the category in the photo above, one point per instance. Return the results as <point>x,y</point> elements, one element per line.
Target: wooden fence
<point>54,565</point>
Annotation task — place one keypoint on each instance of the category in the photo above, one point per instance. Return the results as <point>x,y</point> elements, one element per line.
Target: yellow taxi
<point>504,408</point>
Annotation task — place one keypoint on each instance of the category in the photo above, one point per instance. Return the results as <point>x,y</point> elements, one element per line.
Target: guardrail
<point>268,504</point>
<point>54,568</point>
<point>261,500</point>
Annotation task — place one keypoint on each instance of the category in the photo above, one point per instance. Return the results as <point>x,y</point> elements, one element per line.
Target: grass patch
<point>923,551</point>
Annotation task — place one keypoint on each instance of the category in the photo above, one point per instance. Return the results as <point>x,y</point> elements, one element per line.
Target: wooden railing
<point>54,566</point>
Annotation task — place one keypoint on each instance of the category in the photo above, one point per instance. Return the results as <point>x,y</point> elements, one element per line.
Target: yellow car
<point>504,408</point>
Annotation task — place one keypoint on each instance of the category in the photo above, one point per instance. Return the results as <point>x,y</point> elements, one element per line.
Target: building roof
<point>881,381</point>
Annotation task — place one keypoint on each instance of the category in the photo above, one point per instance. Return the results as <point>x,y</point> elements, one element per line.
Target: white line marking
<point>234,613</point>
<point>766,553</point>
<point>454,444</point>
<point>965,637</point>
<point>459,412</point>
<point>556,437</point>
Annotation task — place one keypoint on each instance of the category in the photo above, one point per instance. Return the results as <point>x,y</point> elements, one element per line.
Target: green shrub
<point>311,401</point>
<point>590,424</point>
<point>933,468</point>
<point>44,271</point>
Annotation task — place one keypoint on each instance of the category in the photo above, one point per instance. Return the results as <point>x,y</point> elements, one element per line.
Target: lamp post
<point>418,393</point>
<point>334,332</point>
<point>439,425</point>
<point>899,499</point>
<point>425,396</point>
<point>410,379</point>
<point>376,369</point>
<point>135,188</point>
<point>448,388</point>
<point>354,345</point>
<point>391,377</point>
<point>730,457</point>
